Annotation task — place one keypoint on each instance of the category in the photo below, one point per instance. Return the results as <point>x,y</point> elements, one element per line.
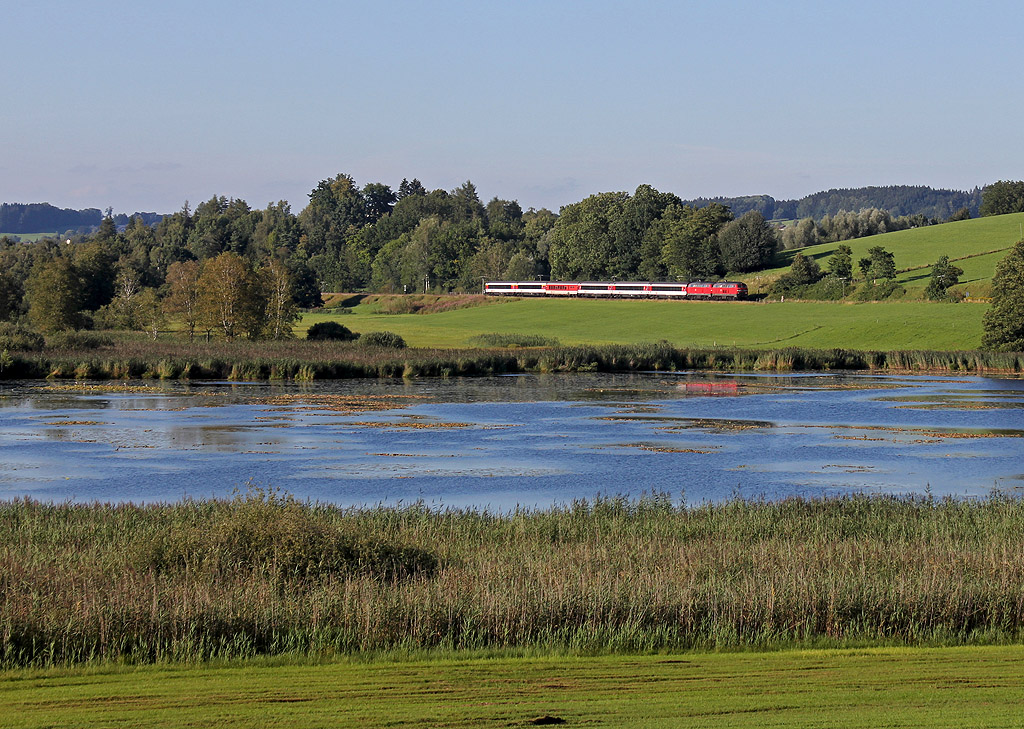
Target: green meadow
<point>904,687</point>
<point>900,325</point>
<point>909,323</point>
<point>975,245</point>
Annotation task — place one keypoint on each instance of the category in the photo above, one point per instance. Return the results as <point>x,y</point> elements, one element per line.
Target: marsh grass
<point>301,360</point>
<point>265,575</point>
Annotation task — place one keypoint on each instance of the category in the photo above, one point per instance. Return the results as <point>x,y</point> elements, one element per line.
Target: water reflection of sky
<point>529,440</point>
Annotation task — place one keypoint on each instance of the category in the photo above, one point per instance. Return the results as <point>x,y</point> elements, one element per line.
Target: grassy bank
<point>951,687</point>
<point>301,360</point>
<point>262,576</point>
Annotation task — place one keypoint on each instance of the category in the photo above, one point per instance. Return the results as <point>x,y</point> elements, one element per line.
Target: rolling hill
<point>975,245</point>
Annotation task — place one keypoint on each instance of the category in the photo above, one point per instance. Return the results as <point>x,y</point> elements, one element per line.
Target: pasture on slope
<point>975,245</point>
<point>899,325</point>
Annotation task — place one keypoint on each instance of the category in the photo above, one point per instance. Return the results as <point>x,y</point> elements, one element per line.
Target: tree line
<point>899,200</point>
<point>266,264</point>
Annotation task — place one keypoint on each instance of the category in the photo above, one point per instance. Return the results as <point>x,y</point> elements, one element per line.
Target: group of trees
<point>877,276</point>
<point>846,225</point>
<point>1003,197</point>
<point>223,294</point>
<point>652,235</point>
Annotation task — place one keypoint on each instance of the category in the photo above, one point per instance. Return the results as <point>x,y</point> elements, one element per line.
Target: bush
<point>885,289</point>
<point>830,288</point>
<point>330,331</point>
<point>382,339</point>
<point>18,338</point>
<point>78,340</point>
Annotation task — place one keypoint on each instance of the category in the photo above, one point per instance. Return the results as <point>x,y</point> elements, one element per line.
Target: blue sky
<point>141,106</point>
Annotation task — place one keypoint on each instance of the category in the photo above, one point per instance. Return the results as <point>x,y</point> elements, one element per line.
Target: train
<point>706,290</point>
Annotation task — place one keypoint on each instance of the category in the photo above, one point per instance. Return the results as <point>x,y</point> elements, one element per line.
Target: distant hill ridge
<point>897,199</point>
<point>30,218</point>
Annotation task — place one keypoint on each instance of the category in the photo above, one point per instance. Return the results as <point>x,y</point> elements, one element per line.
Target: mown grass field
<point>939,687</point>
<point>964,241</point>
<point>899,325</point>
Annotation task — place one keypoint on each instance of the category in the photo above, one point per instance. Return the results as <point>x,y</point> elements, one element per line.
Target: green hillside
<point>975,245</point>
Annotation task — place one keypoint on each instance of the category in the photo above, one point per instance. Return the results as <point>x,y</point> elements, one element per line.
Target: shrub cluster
<point>78,340</point>
<point>17,338</point>
<point>382,339</point>
<point>513,340</point>
<point>324,331</point>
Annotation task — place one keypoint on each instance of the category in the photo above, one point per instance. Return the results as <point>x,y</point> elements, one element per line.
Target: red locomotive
<point>721,290</point>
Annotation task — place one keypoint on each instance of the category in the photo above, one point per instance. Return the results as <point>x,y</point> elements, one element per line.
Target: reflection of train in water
<point>722,290</point>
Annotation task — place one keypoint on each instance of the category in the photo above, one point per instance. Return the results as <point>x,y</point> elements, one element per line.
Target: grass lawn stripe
<point>894,687</point>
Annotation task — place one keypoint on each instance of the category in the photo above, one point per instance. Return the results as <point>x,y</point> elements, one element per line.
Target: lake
<point>529,440</point>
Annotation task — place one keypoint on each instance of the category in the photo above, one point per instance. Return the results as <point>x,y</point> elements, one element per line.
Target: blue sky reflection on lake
<point>526,440</point>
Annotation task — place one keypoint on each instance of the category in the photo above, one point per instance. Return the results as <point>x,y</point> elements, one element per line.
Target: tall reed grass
<point>262,575</point>
<point>308,360</point>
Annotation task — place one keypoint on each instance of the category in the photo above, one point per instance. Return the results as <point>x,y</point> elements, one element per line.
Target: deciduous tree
<point>54,292</point>
<point>1004,321</point>
<point>281,311</point>
<point>183,296</point>
<point>747,243</point>
<point>229,300</point>
<point>840,263</point>
<point>944,275</point>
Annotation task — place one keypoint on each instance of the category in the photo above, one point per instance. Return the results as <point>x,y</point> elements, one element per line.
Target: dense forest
<point>20,219</point>
<point>897,200</point>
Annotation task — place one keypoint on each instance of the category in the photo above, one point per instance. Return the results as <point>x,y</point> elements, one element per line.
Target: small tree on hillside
<point>883,264</point>
<point>1004,321</point>
<point>944,275</point>
<point>840,263</point>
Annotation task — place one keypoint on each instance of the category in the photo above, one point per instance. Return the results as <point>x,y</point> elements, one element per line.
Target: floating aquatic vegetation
<point>60,423</point>
<point>344,404</point>
<point>654,448</point>
<point>406,424</point>
<point>924,432</point>
<point>106,388</point>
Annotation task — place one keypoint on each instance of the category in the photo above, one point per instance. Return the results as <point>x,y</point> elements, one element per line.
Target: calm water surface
<point>527,440</point>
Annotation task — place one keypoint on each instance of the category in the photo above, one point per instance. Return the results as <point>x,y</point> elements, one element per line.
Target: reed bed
<point>305,360</point>
<point>264,575</point>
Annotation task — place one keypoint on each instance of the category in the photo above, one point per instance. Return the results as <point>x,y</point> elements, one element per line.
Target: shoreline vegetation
<point>266,575</point>
<point>303,361</point>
